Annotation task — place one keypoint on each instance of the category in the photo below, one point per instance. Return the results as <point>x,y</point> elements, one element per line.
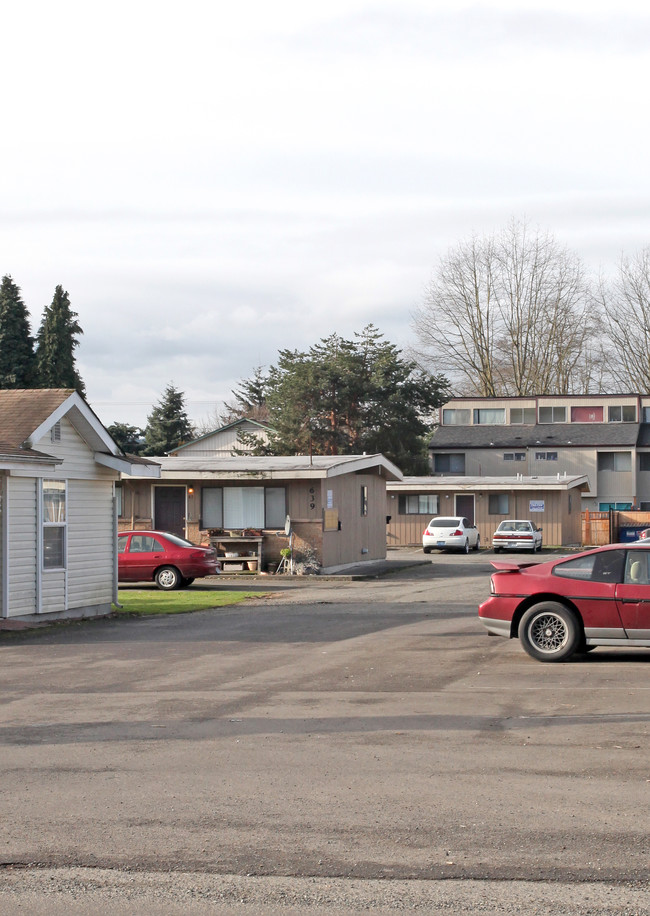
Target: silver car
<point>517,534</point>
<point>450,533</point>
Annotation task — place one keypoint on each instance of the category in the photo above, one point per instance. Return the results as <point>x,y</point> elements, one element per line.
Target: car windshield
<point>444,523</point>
<point>514,526</point>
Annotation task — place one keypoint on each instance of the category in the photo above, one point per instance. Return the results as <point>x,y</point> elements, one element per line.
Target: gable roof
<point>27,414</point>
<point>547,435</point>
<point>222,429</point>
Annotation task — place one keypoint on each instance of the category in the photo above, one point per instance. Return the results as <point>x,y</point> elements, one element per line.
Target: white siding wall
<point>78,459</point>
<point>87,581</point>
<point>90,543</point>
<point>21,548</point>
<point>3,500</point>
<point>223,442</point>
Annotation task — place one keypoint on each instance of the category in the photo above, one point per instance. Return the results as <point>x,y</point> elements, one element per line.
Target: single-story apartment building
<point>58,471</point>
<point>334,506</point>
<point>554,503</point>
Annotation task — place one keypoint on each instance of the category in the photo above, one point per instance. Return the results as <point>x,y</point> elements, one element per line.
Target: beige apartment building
<point>606,438</point>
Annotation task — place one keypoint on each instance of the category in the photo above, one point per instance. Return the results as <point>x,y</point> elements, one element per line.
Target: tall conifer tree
<point>17,361</point>
<point>56,340</point>
<point>168,424</point>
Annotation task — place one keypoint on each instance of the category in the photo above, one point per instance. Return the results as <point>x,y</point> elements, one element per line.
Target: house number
<point>312,498</point>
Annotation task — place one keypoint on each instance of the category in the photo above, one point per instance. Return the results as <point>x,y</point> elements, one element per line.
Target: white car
<point>517,534</point>
<point>450,533</point>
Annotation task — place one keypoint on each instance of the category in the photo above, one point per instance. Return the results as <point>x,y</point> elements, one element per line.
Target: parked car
<point>166,559</point>
<point>517,534</point>
<point>450,533</point>
<point>600,597</point>
<point>644,535</point>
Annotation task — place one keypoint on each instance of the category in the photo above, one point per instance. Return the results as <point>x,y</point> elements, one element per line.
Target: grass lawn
<point>148,601</point>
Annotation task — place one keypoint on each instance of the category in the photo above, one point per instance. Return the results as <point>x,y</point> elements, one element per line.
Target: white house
<point>226,441</point>
<point>58,468</point>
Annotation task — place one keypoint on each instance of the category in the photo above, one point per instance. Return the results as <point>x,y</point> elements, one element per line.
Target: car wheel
<point>478,542</point>
<point>550,632</point>
<point>426,549</point>
<point>466,547</point>
<point>168,578</point>
<point>498,549</point>
<point>187,580</point>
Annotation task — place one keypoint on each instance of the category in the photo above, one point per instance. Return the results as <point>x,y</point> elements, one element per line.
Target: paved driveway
<point>339,745</point>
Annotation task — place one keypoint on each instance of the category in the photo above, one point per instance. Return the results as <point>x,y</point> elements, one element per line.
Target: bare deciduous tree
<point>510,314</point>
<point>626,307</point>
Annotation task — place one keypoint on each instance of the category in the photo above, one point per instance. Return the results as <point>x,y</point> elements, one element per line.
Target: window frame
<point>553,409</point>
<point>622,408</point>
<point>456,416</point>
<point>405,504</point>
<point>449,456</point>
<point>498,498</point>
<point>220,510</point>
<point>478,413</point>
<point>363,506</point>
<point>617,457</point>
<point>59,525</point>
<point>532,416</point>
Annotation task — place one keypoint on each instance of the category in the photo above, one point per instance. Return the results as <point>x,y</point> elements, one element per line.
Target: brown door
<point>465,505</point>
<point>169,510</point>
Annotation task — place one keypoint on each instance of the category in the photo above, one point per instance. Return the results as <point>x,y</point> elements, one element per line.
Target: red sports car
<point>163,558</point>
<point>571,604</point>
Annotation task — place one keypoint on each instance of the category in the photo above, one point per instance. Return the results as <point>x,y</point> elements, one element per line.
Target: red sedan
<point>163,558</point>
<point>571,604</point>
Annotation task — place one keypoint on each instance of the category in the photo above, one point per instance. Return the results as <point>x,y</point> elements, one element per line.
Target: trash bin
<point>626,535</point>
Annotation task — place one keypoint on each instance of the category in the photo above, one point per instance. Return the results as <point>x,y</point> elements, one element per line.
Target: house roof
<point>27,414</point>
<point>520,482</point>
<point>222,429</point>
<point>548,435</point>
<point>22,411</point>
<point>283,467</point>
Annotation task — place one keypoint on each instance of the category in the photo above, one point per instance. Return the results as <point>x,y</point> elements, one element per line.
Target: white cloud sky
<point>213,181</point>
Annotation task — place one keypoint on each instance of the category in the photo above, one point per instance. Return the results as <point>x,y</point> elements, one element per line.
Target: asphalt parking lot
<point>338,744</point>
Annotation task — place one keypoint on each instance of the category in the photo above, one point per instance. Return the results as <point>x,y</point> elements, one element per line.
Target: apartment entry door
<point>169,510</point>
<point>464,503</point>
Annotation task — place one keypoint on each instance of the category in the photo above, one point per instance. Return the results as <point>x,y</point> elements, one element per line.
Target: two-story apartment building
<point>605,437</point>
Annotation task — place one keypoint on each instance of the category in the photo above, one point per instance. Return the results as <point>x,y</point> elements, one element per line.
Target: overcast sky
<point>212,181</point>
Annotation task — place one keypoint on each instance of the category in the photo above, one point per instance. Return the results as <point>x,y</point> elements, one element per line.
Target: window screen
<point>243,507</point>
<point>522,415</point>
<point>276,507</point>
<point>212,507</point>
<point>498,504</point>
<point>614,461</point>
<point>490,416</point>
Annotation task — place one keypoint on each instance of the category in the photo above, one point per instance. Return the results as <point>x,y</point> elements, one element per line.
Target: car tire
<point>498,549</point>
<point>426,549</point>
<point>477,546</point>
<point>466,547</point>
<point>168,578</point>
<point>187,580</point>
<point>550,632</point>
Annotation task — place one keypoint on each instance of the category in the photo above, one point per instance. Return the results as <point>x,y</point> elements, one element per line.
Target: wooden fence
<point>609,527</point>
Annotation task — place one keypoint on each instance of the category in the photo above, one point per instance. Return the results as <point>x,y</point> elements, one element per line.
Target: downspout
<point>115,582</point>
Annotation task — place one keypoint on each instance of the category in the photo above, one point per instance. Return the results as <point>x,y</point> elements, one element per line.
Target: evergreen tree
<point>129,438</point>
<point>56,339</point>
<point>352,396</point>
<point>168,425</point>
<point>17,360</point>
